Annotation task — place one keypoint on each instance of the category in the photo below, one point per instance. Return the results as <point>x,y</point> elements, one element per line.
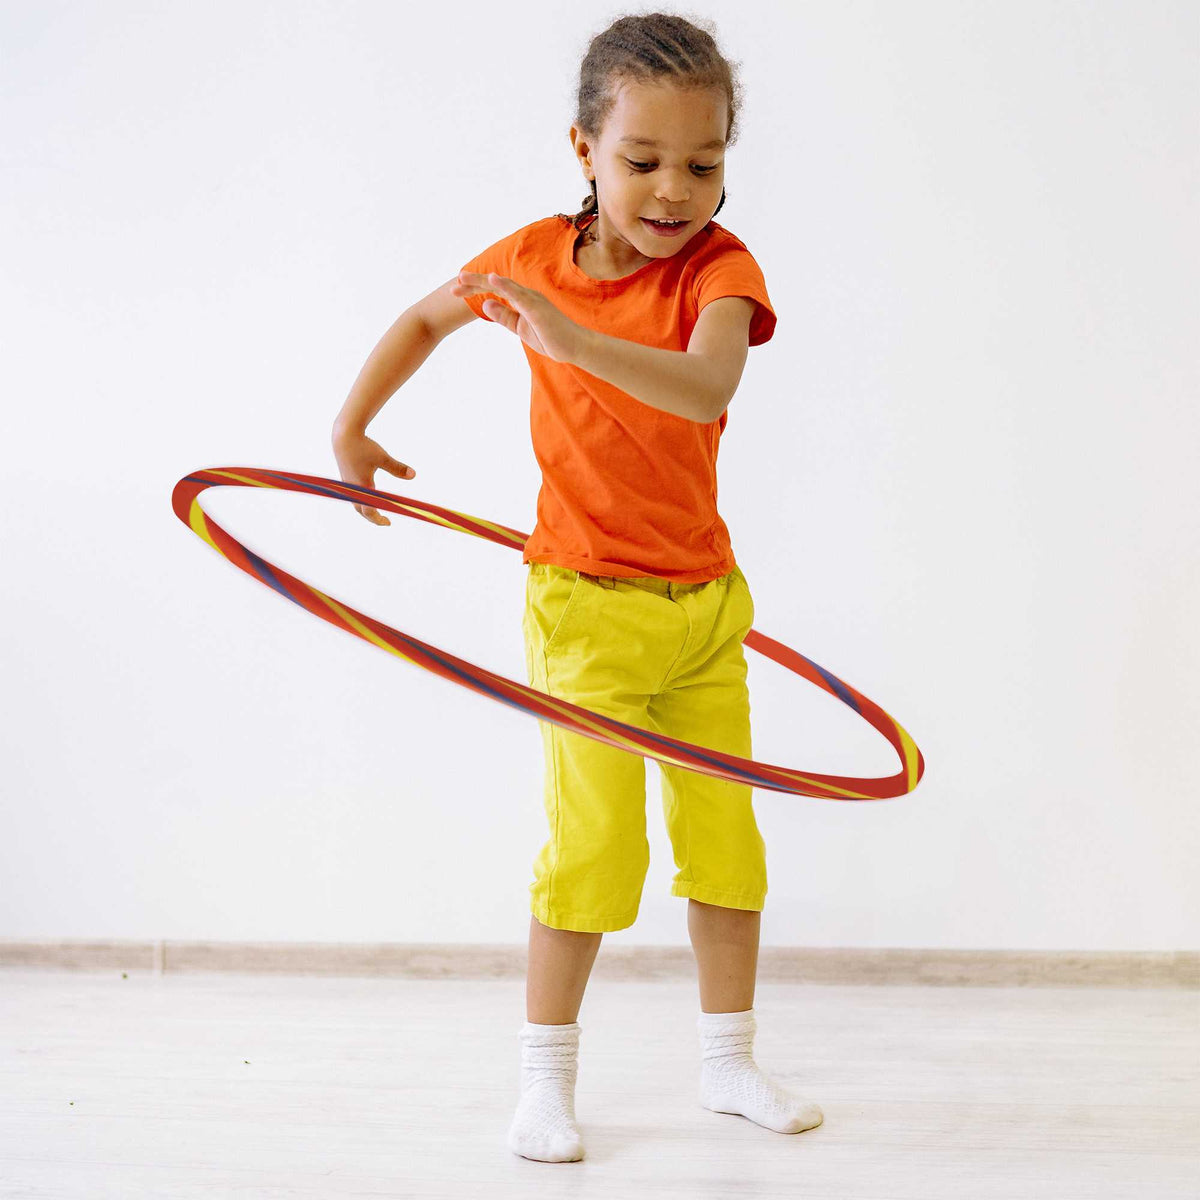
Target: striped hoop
<point>186,504</point>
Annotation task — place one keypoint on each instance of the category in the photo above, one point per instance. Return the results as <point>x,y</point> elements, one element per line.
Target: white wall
<point>961,477</point>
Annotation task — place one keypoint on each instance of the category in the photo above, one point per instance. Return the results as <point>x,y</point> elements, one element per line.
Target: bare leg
<point>560,961</point>
<point>725,941</point>
<point>726,944</point>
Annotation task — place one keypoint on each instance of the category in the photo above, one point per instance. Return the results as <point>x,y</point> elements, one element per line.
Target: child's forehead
<point>665,115</point>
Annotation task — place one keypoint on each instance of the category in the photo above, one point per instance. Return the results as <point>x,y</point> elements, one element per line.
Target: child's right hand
<point>358,458</point>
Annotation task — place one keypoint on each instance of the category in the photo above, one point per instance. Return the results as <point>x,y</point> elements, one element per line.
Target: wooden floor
<point>216,1085</point>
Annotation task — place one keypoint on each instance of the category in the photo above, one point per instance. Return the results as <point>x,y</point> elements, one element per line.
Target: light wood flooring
<point>210,1085</point>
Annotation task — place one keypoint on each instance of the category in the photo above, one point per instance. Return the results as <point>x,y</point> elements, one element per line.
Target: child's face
<point>681,176</point>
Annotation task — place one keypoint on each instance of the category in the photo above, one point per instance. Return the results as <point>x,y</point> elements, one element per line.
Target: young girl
<point>636,336</point>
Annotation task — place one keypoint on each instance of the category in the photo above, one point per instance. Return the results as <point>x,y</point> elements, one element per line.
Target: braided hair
<point>651,48</point>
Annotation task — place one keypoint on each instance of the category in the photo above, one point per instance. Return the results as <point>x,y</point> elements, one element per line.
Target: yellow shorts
<point>666,657</point>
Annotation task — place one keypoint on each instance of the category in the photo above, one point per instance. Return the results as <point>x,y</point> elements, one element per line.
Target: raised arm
<point>412,338</point>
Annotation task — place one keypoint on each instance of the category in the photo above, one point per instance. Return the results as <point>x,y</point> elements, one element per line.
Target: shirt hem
<point>593,566</point>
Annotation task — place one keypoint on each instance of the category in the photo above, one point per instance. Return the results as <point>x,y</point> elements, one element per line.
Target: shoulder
<point>535,233</point>
<point>538,239</point>
<point>723,266</point>
<point>717,242</point>
<point>722,258</point>
<point>720,234</point>
<point>543,232</point>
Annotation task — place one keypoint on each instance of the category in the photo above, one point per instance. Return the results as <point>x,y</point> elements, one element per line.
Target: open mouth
<point>666,228</point>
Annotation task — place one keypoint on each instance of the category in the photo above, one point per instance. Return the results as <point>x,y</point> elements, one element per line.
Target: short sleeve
<point>733,271</point>
<point>498,257</point>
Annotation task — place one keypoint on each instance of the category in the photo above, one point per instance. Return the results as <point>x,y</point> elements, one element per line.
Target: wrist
<point>343,429</point>
<point>589,347</point>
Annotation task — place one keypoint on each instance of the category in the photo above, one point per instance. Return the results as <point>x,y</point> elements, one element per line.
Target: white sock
<point>731,1082</point>
<point>544,1125</point>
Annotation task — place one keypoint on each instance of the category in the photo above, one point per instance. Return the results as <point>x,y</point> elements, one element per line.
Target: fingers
<point>475,281</point>
<point>394,467</point>
<point>504,286</point>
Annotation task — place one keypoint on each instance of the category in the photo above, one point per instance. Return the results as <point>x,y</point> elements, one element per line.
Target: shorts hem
<point>707,894</point>
<point>582,923</point>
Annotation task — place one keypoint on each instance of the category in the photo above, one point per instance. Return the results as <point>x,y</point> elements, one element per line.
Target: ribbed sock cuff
<point>716,1020</point>
<point>542,1035</point>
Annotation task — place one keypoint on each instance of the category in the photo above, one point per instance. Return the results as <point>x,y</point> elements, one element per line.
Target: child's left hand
<point>528,314</point>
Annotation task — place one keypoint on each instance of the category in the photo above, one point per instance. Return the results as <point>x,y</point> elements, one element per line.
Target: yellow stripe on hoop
<point>364,631</point>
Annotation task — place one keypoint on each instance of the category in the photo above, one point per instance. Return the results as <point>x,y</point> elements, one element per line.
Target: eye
<point>641,166</point>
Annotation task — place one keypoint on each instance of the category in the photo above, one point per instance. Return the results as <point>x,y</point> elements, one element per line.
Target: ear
<point>579,144</point>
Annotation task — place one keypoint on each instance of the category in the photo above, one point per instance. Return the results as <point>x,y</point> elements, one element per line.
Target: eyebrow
<point>715,144</point>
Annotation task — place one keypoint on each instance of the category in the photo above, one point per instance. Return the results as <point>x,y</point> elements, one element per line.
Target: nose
<point>673,195</point>
<point>674,187</point>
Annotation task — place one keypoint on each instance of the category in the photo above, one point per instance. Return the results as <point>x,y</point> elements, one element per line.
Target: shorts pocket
<point>737,578</point>
<point>567,615</point>
<point>554,600</point>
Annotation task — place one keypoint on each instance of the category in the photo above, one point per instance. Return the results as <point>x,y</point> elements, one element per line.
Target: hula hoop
<point>186,505</point>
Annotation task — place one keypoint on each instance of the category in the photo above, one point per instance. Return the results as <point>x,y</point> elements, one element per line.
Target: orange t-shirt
<point>627,489</point>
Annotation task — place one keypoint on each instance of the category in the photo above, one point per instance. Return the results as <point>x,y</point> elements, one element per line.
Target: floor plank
<point>235,1085</point>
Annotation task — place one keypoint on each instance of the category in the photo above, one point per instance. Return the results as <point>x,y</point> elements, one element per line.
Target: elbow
<point>719,405</point>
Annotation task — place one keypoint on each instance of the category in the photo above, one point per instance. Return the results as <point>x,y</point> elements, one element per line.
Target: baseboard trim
<point>776,964</point>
